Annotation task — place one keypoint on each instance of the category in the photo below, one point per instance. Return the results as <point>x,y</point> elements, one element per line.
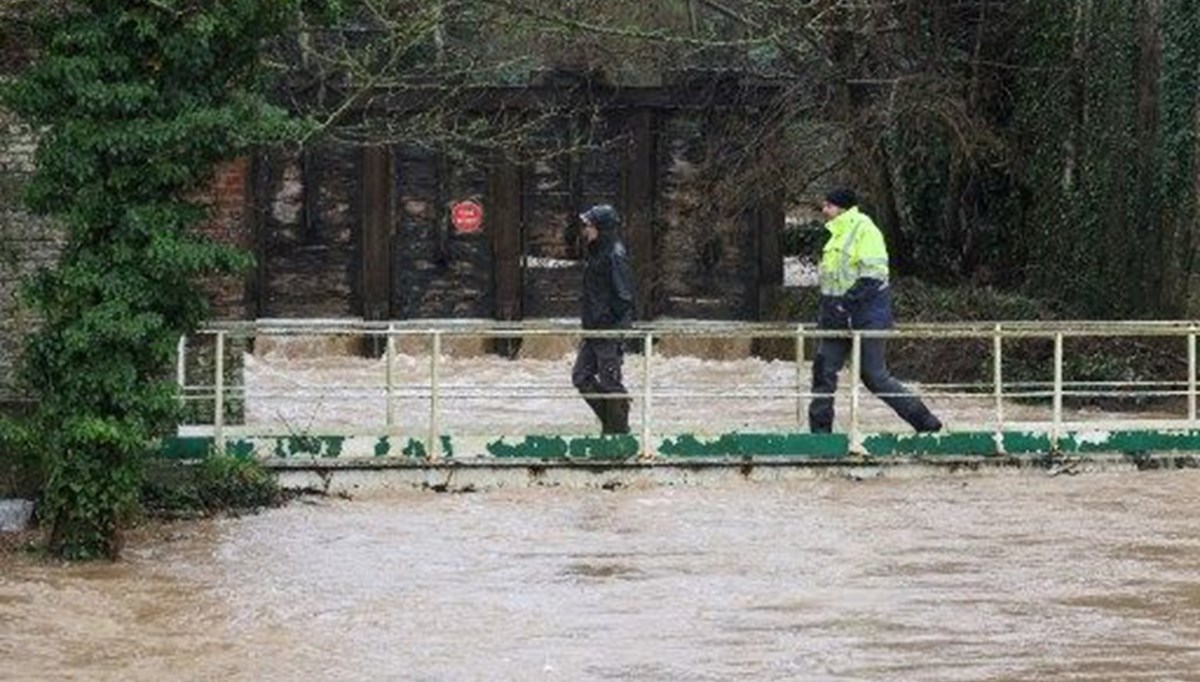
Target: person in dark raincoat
<point>607,303</point>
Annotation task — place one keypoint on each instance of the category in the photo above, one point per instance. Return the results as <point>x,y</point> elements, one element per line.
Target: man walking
<point>608,303</point>
<point>855,295</point>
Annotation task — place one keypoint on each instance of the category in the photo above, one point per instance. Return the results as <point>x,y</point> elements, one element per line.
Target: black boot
<point>616,416</point>
<point>600,408</point>
<point>928,424</point>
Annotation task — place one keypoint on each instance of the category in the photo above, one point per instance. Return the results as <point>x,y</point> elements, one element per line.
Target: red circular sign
<point>467,216</point>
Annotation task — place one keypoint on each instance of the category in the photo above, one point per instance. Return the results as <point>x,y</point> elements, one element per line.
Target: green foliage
<point>919,301</point>
<point>214,485</point>
<point>916,301</point>
<point>1076,154</point>
<point>19,471</point>
<point>804,239</point>
<point>1108,143</point>
<point>136,103</point>
<point>91,485</point>
<point>968,360</point>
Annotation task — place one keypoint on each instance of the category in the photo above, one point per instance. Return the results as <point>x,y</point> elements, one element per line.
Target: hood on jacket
<point>603,216</point>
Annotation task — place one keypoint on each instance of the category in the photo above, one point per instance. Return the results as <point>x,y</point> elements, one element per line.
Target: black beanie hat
<point>842,197</point>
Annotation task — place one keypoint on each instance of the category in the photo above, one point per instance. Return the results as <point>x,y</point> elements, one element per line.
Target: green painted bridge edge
<point>741,446</point>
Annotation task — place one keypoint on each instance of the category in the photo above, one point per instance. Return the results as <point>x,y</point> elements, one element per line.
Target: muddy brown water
<point>980,577</point>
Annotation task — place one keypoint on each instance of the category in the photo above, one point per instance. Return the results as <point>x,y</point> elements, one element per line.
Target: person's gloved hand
<point>834,313</point>
<point>844,314</point>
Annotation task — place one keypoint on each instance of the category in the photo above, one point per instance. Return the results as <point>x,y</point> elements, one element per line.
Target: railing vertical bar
<point>1191,346</point>
<point>998,379</point>
<point>800,402</point>
<point>390,352</point>
<point>431,448</point>
<point>219,396</point>
<point>1058,389</point>
<point>855,372</point>
<point>647,394</point>
<point>181,369</point>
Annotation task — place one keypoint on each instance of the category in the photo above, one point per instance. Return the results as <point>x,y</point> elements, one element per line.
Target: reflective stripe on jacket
<point>855,250</point>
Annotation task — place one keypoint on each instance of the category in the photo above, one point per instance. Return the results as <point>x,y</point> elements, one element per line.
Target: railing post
<point>998,383</point>
<point>647,354</point>
<point>219,397</point>
<point>1191,384</point>
<point>800,405</point>
<point>1058,390</point>
<point>855,391</point>
<point>432,449</point>
<point>181,369</point>
<point>390,359</point>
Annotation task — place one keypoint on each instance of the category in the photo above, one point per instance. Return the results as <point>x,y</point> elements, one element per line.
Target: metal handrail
<point>436,331</point>
<point>554,327</point>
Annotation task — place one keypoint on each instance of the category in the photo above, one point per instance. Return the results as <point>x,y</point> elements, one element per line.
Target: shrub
<point>210,486</point>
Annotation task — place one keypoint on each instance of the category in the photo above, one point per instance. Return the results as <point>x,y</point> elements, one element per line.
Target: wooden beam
<point>502,219</point>
<point>638,192</point>
<point>375,239</point>
<point>768,227</point>
<point>701,92</point>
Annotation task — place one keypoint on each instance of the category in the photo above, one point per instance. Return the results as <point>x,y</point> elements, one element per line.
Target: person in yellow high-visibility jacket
<point>855,295</point>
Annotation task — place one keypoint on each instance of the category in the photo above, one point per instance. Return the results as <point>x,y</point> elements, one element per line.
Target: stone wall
<point>708,265</point>
<point>554,191</point>
<point>27,243</point>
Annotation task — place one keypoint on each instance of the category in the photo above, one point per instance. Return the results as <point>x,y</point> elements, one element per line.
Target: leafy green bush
<point>136,103</point>
<point>803,239</point>
<point>19,471</point>
<point>210,486</point>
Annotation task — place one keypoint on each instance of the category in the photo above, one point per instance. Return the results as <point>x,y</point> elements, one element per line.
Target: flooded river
<point>993,577</point>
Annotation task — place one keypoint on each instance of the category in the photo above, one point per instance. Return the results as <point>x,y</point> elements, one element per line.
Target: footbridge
<point>344,405</point>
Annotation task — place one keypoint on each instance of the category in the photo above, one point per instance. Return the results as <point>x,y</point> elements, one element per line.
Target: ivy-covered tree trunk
<point>136,102</point>
<point>1118,233</point>
<point>1179,186</point>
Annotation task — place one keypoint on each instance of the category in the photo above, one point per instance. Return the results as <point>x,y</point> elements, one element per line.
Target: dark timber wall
<point>308,234</point>
<point>344,231</point>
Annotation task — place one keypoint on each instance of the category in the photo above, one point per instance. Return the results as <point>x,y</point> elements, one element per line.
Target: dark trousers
<point>597,371</point>
<point>832,354</point>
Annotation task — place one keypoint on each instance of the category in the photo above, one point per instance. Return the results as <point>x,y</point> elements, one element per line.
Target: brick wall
<point>229,223</point>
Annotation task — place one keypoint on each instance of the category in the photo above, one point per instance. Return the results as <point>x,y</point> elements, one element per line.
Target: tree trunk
<point>1077,93</point>
<point>1191,228</point>
<point>1150,230</point>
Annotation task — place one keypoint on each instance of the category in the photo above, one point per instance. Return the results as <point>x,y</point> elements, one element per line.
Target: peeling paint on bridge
<point>464,463</point>
<point>798,446</point>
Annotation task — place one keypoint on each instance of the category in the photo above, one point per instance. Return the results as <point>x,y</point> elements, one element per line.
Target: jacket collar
<point>843,221</point>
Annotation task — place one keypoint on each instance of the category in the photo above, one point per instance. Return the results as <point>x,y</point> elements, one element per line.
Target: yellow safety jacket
<point>855,249</point>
